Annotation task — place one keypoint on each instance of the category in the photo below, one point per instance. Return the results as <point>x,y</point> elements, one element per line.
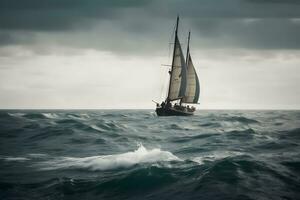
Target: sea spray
<point>108,162</point>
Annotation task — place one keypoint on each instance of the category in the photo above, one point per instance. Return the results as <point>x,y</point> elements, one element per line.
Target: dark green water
<point>133,154</point>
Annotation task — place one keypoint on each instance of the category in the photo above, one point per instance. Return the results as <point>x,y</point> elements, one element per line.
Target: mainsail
<point>177,86</point>
<point>192,87</point>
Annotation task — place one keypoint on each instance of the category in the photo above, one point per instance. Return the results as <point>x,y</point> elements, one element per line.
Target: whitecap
<point>37,155</point>
<point>15,158</point>
<point>16,114</point>
<point>77,116</point>
<point>95,127</point>
<point>84,115</point>
<point>215,156</point>
<point>107,162</point>
<point>50,115</point>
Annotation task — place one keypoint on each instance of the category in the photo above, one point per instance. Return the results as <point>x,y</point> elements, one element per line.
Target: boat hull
<point>160,111</point>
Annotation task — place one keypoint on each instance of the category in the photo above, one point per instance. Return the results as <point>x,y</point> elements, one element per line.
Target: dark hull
<point>172,112</point>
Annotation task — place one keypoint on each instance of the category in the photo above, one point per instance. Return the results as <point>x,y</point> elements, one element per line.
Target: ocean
<point>133,154</point>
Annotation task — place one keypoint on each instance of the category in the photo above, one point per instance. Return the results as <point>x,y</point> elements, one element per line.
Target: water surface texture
<point>133,154</point>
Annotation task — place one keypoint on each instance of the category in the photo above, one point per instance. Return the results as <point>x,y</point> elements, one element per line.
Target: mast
<point>187,55</point>
<point>176,30</point>
<point>188,49</point>
<point>193,87</point>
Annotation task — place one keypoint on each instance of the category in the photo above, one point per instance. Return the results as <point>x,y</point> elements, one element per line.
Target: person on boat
<point>177,106</point>
<point>169,105</point>
<point>163,104</point>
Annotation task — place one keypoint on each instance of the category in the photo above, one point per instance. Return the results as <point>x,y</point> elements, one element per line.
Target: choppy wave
<point>244,120</point>
<point>92,154</point>
<point>107,162</point>
<point>15,114</point>
<point>215,156</point>
<point>50,115</point>
<point>291,134</point>
<point>34,116</point>
<point>14,158</point>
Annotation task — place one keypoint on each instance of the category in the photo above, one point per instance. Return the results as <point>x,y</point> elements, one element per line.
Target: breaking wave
<point>108,162</point>
<point>50,115</point>
<point>14,158</point>
<point>215,156</point>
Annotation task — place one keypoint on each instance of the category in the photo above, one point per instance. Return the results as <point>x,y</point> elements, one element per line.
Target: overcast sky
<point>108,53</point>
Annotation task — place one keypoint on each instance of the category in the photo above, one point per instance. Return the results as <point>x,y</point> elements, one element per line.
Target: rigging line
<point>163,76</point>
<point>171,42</point>
<point>162,85</point>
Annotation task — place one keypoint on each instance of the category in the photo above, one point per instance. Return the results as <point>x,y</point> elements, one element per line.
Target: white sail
<point>178,74</point>
<point>192,86</point>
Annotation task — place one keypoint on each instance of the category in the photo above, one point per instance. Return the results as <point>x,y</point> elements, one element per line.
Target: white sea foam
<point>82,116</point>
<point>37,155</point>
<point>215,156</point>
<point>15,158</point>
<point>50,115</point>
<point>96,128</point>
<point>16,114</point>
<point>85,115</point>
<point>141,155</point>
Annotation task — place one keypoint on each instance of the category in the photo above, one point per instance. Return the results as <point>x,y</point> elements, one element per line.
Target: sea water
<point>133,154</point>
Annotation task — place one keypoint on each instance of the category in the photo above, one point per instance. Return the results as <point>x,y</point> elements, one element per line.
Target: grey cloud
<point>275,1</point>
<point>233,9</point>
<point>248,33</point>
<point>20,37</point>
<point>122,26</point>
<point>68,14</point>
<point>58,14</point>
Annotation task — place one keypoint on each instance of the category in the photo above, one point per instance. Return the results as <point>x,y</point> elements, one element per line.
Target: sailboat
<point>184,87</point>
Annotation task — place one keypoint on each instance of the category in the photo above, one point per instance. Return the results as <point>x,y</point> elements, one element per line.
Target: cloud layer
<point>124,26</point>
<point>107,53</point>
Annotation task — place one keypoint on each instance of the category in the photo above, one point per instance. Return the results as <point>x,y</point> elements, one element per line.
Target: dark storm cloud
<point>125,25</point>
<point>251,33</point>
<point>276,1</point>
<point>65,14</point>
<point>58,14</point>
<point>234,8</point>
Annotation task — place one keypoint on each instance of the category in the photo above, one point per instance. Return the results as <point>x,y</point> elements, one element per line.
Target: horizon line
<point>205,109</point>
